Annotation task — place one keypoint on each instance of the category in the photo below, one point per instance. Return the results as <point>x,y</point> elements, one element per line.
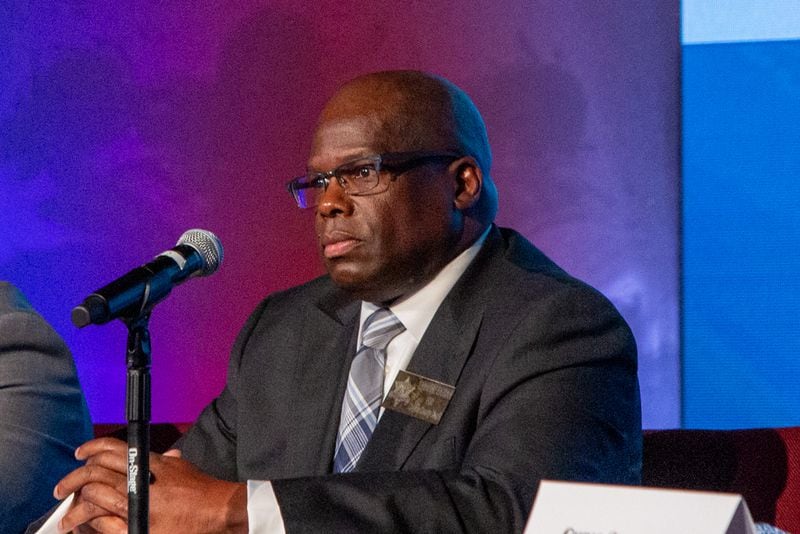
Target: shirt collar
<point>417,310</point>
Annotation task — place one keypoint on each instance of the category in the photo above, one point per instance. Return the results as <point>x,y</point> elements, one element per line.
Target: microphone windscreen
<point>207,245</point>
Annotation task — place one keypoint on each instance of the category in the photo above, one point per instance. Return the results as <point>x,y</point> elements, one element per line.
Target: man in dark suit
<point>500,369</point>
<point>43,415</point>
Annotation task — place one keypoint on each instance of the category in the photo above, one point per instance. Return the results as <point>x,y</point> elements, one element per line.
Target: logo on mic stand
<point>133,469</point>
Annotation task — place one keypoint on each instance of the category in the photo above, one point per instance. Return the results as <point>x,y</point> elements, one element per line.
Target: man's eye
<point>357,173</point>
<point>366,171</point>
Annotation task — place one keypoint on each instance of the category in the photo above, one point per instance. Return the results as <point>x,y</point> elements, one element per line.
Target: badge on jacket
<point>418,396</point>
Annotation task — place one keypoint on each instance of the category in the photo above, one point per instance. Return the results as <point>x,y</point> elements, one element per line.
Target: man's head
<point>388,242</point>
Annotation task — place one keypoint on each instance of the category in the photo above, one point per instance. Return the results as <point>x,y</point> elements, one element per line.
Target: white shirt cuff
<point>263,512</point>
<point>51,525</point>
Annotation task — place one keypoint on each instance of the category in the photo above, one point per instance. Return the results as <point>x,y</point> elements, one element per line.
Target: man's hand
<point>182,498</point>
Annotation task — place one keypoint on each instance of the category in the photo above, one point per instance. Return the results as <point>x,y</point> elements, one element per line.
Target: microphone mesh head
<point>207,244</point>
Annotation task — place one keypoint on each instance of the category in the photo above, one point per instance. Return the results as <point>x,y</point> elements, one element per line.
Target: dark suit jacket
<point>546,387</point>
<point>43,415</point>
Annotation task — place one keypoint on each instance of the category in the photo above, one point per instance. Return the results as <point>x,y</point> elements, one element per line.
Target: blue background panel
<point>741,223</point>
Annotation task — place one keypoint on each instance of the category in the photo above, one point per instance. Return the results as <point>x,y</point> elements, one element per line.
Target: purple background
<point>124,124</point>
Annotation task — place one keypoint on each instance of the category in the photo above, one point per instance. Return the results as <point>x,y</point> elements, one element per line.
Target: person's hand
<point>182,498</point>
<point>100,503</point>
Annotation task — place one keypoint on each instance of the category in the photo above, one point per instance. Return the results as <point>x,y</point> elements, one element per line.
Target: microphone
<point>198,253</point>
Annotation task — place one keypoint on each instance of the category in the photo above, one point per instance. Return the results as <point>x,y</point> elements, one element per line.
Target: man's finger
<point>95,501</point>
<point>88,474</point>
<point>114,460</point>
<point>109,525</point>
<point>96,446</point>
<point>174,453</point>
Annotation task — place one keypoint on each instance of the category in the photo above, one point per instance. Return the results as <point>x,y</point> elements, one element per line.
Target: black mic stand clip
<point>137,410</point>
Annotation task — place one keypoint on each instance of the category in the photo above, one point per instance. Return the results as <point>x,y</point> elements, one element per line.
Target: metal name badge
<point>419,397</point>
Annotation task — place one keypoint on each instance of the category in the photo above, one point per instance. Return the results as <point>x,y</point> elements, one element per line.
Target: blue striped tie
<point>362,402</point>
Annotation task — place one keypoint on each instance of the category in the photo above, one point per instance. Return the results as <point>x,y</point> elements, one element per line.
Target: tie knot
<point>380,328</point>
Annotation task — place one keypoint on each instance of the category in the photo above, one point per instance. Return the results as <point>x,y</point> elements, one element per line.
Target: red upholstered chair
<point>761,464</point>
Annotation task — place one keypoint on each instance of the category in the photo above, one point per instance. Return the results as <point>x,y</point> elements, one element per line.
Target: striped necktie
<point>362,401</point>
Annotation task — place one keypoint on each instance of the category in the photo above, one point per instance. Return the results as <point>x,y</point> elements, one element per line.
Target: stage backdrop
<point>122,124</point>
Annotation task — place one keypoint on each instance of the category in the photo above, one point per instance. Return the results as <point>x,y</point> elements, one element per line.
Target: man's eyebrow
<point>350,159</point>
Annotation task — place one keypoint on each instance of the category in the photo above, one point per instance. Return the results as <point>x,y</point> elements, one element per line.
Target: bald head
<point>412,110</point>
<point>386,242</point>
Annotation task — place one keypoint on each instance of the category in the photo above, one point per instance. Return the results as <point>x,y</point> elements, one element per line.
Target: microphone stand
<point>137,409</point>
<point>131,298</point>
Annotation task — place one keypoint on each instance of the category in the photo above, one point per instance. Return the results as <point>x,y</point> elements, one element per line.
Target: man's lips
<point>337,244</point>
<point>339,248</point>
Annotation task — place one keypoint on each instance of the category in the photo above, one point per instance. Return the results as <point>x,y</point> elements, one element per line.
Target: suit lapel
<point>321,379</point>
<point>441,356</point>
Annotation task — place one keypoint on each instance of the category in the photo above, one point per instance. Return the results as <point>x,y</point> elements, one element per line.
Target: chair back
<point>763,465</point>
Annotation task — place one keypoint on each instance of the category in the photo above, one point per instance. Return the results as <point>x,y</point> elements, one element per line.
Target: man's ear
<point>469,182</point>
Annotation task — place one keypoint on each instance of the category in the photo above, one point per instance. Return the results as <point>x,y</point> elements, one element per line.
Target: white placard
<point>578,508</point>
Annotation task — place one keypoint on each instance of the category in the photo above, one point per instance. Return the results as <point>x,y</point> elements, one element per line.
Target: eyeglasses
<point>362,176</point>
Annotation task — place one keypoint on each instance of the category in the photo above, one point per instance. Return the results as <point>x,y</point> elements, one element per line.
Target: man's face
<point>383,246</point>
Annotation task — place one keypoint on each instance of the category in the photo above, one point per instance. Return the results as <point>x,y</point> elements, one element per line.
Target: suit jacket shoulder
<point>44,413</point>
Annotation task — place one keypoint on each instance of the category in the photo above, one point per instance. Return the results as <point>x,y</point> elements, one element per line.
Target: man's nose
<point>334,201</point>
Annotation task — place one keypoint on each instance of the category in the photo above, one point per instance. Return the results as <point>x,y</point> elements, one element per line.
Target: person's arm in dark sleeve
<point>210,443</point>
<point>44,415</point>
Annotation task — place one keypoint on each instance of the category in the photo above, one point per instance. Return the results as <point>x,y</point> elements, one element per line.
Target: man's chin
<point>361,286</point>
<point>350,282</point>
